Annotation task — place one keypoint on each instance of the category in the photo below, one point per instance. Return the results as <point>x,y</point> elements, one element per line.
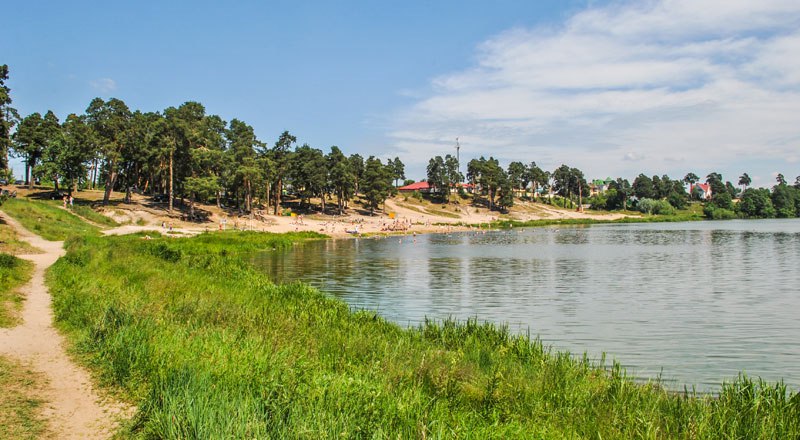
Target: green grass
<point>84,209</point>
<point>207,347</point>
<point>20,416</point>
<point>10,242</point>
<point>47,219</point>
<point>14,272</point>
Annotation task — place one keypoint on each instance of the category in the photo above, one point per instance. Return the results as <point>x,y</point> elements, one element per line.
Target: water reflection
<point>699,301</point>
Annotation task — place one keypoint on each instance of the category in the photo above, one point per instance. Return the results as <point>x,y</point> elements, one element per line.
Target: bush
<point>678,201</point>
<point>8,261</point>
<point>756,203</point>
<point>713,212</point>
<point>597,201</point>
<point>658,207</point>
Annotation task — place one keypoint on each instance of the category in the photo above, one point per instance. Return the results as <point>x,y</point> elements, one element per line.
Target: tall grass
<point>14,272</point>
<point>47,219</point>
<point>207,347</point>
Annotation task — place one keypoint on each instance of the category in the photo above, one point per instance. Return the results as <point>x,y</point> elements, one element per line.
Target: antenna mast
<point>458,159</point>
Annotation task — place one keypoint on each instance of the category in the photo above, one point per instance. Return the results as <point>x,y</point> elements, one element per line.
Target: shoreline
<point>469,376</point>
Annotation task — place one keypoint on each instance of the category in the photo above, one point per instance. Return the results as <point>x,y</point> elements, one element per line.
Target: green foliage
<point>443,175</point>
<point>722,200</point>
<point>518,175</point>
<point>643,187</point>
<point>717,184</point>
<point>342,177</point>
<point>783,200</point>
<point>111,121</point>
<point>376,183</point>
<point>569,182</point>
<point>29,140</point>
<point>8,119</point>
<point>14,272</point>
<point>714,212</point>
<point>618,194</point>
<point>600,201</point>
<point>309,172</point>
<point>650,206</point>
<point>397,168</point>
<point>505,197</point>
<point>206,347</point>
<point>756,203</point>
<point>677,200</point>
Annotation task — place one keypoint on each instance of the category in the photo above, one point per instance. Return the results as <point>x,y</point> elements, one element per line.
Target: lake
<point>694,302</point>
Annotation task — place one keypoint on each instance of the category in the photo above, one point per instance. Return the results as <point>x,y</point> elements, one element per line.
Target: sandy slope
<point>409,217</point>
<point>74,410</point>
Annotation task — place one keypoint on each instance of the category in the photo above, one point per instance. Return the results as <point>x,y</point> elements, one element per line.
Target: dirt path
<point>74,409</point>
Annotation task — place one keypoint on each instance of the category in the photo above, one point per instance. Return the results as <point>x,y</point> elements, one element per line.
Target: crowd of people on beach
<point>397,225</point>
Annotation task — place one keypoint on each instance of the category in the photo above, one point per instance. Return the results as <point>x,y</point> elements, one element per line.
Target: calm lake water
<point>695,302</point>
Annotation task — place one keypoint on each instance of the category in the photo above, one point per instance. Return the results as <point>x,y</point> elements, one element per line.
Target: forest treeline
<point>184,152</point>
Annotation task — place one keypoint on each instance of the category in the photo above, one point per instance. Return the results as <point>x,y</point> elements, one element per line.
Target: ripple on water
<point>696,303</point>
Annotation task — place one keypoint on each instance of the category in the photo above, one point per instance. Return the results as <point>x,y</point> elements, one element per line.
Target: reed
<point>207,347</point>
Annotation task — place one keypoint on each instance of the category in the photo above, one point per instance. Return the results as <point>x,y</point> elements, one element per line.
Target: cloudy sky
<point>614,88</point>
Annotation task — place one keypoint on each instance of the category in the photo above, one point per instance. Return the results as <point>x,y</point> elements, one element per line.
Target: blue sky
<point>613,88</point>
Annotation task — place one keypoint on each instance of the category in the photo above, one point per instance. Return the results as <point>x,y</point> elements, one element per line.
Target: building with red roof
<point>705,187</point>
<point>423,187</point>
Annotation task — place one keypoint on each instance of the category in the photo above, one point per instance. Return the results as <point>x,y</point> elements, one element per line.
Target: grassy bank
<point>84,209</point>
<point>10,242</point>
<point>14,272</point>
<point>206,347</point>
<point>47,219</point>
<point>20,406</point>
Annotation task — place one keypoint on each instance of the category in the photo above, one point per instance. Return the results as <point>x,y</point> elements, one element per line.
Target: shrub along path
<point>73,408</point>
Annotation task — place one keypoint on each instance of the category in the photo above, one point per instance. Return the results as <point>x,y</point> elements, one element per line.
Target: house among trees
<point>422,186</point>
<point>705,189</point>
<point>467,187</point>
<point>599,186</point>
<point>425,188</point>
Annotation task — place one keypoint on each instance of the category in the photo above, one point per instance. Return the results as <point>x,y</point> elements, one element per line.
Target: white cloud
<point>654,87</point>
<point>103,85</point>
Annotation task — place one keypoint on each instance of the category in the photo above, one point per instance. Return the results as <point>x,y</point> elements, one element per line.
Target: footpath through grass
<point>47,219</point>
<point>14,272</point>
<point>207,347</point>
